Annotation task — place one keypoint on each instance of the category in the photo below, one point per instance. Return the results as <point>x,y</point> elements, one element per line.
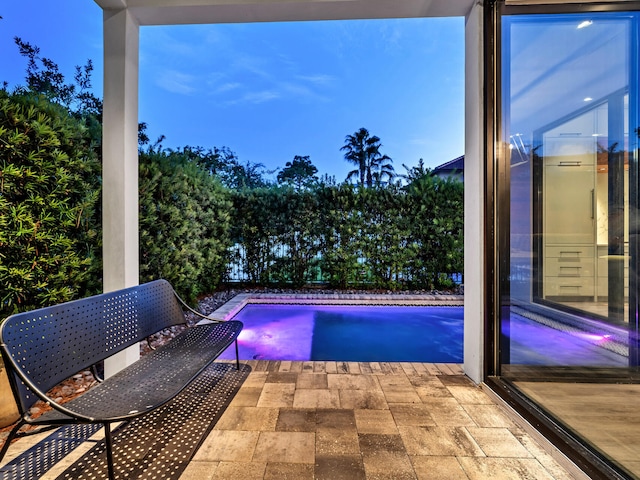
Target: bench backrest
<point>51,344</point>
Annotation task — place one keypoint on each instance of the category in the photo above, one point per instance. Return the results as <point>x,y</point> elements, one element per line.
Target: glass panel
<point>568,323</point>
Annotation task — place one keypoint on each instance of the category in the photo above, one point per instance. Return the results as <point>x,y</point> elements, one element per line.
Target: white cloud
<point>301,91</point>
<point>255,65</point>
<point>256,97</point>
<point>226,87</point>
<point>177,82</point>
<point>321,80</point>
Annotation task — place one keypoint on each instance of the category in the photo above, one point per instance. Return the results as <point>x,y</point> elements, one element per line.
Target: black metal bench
<point>43,347</point>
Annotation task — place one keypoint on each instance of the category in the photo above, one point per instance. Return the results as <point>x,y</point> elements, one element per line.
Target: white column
<point>120,162</point>
<point>474,188</point>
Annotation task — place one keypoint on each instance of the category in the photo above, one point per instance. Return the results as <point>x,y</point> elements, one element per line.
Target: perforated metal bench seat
<point>155,379</point>
<point>45,346</point>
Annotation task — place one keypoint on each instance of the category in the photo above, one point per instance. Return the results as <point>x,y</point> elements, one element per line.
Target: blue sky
<point>275,90</point>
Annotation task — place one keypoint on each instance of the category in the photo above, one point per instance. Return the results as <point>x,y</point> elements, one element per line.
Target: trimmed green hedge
<point>390,237</point>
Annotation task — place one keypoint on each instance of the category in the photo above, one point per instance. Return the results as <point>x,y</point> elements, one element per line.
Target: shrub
<point>49,195</point>
<point>437,232</point>
<point>381,237</point>
<point>184,223</point>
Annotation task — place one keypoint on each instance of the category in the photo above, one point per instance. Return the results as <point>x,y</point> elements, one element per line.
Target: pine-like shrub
<point>184,223</point>
<point>49,193</point>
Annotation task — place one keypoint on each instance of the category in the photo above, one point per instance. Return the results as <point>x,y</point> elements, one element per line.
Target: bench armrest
<point>195,312</point>
<point>39,393</point>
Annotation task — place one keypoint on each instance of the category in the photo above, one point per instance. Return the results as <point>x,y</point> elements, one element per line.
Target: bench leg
<point>237,356</point>
<point>109,443</point>
<point>12,435</point>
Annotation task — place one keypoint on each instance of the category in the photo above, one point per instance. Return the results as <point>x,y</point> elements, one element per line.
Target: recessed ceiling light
<point>587,99</point>
<point>584,24</point>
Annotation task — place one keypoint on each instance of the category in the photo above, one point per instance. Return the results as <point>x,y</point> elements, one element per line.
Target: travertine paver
<point>434,467</point>
<point>362,421</point>
<point>412,415</point>
<point>248,418</point>
<point>228,446</point>
<point>236,470</point>
<point>285,447</point>
<point>343,420</point>
<point>488,416</point>
<point>375,421</point>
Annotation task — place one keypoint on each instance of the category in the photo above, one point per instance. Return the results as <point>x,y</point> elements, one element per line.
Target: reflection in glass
<point>568,323</point>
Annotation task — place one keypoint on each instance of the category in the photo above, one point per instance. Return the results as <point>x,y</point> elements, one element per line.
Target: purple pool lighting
<point>533,343</point>
<point>371,333</point>
<point>358,333</point>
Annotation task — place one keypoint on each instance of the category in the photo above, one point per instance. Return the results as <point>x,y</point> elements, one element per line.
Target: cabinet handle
<point>569,271</point>
<point>569,164</point>
<point>593,203</point>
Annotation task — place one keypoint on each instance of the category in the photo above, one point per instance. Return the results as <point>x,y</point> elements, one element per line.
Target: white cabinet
<point>569,226</point>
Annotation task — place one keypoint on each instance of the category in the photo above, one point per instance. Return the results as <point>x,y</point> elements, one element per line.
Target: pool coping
<point>237,303</point>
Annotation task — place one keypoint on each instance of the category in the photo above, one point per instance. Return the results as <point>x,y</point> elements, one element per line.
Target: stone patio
<point>348,420</point>
<point>340,420</point>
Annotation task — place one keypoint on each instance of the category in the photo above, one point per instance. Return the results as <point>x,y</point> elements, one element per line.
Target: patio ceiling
<point>176,12</point>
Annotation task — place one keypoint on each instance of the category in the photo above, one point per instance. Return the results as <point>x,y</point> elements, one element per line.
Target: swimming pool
<point>383,333</point>
<point>359,333</point>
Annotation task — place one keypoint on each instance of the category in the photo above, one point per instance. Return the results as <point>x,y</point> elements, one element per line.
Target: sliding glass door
<point>567,172</point>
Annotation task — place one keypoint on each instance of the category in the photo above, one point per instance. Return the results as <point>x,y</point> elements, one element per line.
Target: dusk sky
<point>271,91</point>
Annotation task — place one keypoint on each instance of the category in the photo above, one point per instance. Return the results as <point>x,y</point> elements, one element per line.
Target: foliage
<point>340,229</point>
<point>44,77</point>
<point>49,196</point>
<point>415,173</point>
<point>184,223</point>
<point>300,173</point>
<point>363,150</point>
<point>437,233</point>
<point>225,164</point>
<point>298,231</point>
<point>271,218</point>
<point>383,237</point>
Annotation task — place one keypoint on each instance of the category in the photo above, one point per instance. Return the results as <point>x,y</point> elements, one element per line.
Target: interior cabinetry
<point>569,226</point>
<point>583,178</point>
<point>575,226</point>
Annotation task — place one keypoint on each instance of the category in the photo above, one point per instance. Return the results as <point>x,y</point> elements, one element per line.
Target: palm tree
<point>363,150</point>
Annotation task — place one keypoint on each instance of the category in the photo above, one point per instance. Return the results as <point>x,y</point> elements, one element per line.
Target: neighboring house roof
<point>453,166</point>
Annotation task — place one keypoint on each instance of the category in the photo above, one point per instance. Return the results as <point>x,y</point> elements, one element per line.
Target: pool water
<point>358,333</point>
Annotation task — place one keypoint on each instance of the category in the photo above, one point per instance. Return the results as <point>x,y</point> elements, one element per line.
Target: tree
<point>301,172</point>
<point>44,77</point>
<point>416,173</point>
<point>363,150</point>
<point>249,175</point>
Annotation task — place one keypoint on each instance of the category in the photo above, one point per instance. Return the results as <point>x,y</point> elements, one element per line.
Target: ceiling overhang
<point>180,12</point>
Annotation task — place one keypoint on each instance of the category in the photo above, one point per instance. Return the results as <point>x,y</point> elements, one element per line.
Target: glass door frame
<point>497,232</point>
